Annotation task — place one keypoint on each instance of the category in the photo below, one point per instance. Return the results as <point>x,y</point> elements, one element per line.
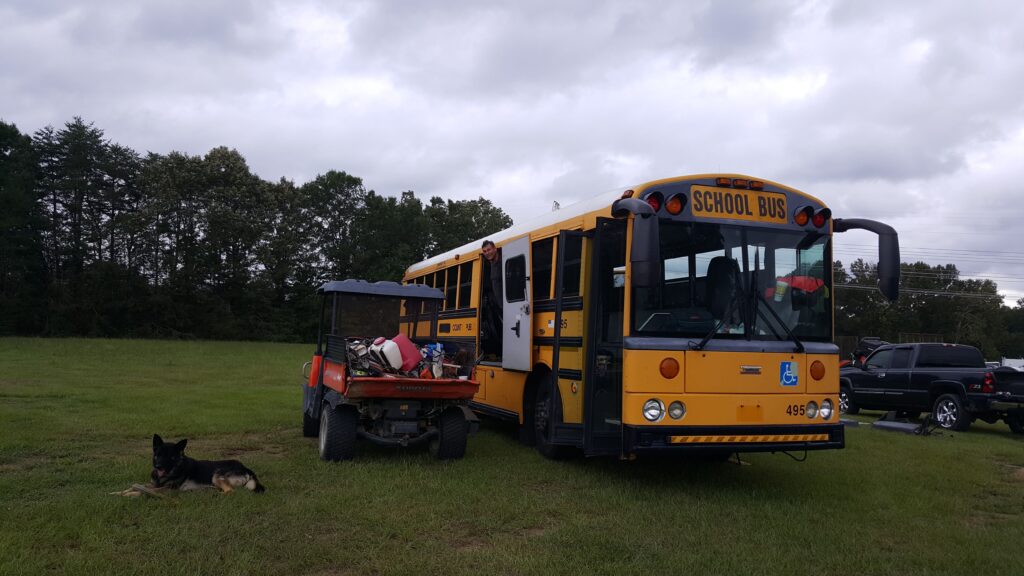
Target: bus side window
<point>542,255</point>
<point>451,285</point>
<point>465,284</point>
<point>573,262</point>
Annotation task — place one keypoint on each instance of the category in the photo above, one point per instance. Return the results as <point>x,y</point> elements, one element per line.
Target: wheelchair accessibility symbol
<point>788,374</point>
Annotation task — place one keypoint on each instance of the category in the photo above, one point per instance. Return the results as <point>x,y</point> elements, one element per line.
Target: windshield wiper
<point>760,298</point>
<point>736,298</point>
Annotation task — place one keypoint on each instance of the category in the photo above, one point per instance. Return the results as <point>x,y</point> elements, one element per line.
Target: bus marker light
<point>654,410</point>
<point>675,204</point>
<point>812,409</point>
<point>627,194</point>
<point>756,185</point>
<point>669,368</point>
<point>723,182</point>
<point>654,200</point>
<point>740,183</point>
<point>817,370</point>
<point>676,410</point>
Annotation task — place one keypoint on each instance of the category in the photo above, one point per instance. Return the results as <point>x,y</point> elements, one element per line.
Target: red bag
<point>410,352</point>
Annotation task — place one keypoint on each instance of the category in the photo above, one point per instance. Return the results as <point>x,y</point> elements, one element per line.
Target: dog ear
<point>181,445</point>
<point>157,441</point>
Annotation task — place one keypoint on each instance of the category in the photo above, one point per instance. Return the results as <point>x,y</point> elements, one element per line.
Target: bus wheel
<point>543,421</point>
<point>338,432</point>
<point>450,442</point>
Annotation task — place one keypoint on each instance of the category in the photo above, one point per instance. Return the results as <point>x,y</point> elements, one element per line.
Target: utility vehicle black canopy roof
<point>407,291</point>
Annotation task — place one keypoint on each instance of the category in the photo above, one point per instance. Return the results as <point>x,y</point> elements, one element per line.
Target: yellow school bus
<point>688,314</point>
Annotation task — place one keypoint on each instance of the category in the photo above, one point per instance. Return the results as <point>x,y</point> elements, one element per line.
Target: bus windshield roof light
<point>654,200</point>
<point>723,182</point>
<point>756,185</point>
<point>627,194</point>
<point>802,215</point>
<point>820,217</point>
<point>675,204</point>
<point>740,183</point>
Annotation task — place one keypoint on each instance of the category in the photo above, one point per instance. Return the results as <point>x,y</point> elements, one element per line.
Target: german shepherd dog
<point>173,470</point>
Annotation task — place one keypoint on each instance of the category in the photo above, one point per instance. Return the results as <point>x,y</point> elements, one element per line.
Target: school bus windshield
<point>738,282</point>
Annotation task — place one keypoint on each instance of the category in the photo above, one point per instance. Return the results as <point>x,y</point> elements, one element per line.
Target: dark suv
<point>949,380</point>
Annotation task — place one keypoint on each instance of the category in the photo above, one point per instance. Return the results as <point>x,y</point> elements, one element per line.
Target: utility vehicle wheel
<point>846,405</point>
<point>543,421</point>
<point>1015,422</point>
<point>452,430</point>
<point>950,414</point>
<point>310,425</point>
<point>338,432</point>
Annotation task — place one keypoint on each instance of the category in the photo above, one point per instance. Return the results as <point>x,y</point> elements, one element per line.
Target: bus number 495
<point>795,409</point>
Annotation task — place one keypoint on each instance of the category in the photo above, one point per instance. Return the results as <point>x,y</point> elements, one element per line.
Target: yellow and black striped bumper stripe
<point>747,439</point>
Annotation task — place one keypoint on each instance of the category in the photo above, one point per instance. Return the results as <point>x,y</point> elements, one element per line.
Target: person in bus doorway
<point>490,339</point>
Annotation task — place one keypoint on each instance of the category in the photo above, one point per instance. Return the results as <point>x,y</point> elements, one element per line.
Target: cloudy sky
<point>907,112</point>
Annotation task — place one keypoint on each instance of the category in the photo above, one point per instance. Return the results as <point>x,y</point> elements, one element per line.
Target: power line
<point>922,292</point>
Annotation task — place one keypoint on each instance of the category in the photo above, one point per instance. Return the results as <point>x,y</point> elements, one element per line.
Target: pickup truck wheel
<point>846,405</point>
<point>950,414</point>
<point>1015,422</point>
<point>450,442</point>
<point>338,433</point>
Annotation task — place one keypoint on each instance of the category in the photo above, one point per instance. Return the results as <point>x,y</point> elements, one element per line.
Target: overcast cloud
<point>908,112</point>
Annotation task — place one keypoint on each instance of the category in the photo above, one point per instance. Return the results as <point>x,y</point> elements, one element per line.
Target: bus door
<point>517,324</point>
<point>602,391</point>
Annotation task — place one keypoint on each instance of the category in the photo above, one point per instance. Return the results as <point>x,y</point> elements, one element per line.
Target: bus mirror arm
<point>888,252</point>
<point>645,254</point>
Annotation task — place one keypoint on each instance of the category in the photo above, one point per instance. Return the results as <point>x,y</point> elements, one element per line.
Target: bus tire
<point>452,430</point>
<point>544,412</point>
<point>338,432</point>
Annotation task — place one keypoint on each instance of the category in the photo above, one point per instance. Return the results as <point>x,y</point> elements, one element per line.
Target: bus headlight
<point>676,410</point>
<point>654,409</point>
<point>826,409</point>
<point>812,409</point>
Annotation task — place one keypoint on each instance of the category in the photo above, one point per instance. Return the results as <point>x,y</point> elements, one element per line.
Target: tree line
<point>99,240</point>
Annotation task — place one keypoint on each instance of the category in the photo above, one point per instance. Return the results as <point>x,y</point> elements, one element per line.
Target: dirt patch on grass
<point>985,519</point>
<point>25,464</point>
<point>470,544</point>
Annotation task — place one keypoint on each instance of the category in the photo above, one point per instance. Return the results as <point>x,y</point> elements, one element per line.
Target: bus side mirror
<point>888,252</point>
<point>645,254</point>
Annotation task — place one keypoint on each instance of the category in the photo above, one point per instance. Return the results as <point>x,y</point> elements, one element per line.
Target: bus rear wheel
<point>544,419</point>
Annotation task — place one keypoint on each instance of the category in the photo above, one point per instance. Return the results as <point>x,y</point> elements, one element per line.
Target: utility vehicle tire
<point>950,413</point>
<point>543,414</point>
<point>452,430</point>
<point>310,425</point>
<point>1015,422</point>
<point>846,404</point>
<point>338,432</point>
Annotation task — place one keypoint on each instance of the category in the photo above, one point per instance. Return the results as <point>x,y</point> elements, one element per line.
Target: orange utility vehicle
<point>350,389</point>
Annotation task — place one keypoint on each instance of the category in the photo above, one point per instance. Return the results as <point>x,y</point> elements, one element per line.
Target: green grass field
<point>77,417</point>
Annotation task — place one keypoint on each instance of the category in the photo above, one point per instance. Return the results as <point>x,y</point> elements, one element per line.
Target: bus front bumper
<point>789,438</point>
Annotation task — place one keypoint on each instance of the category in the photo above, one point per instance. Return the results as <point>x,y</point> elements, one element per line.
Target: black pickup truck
<point>949,380</point>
